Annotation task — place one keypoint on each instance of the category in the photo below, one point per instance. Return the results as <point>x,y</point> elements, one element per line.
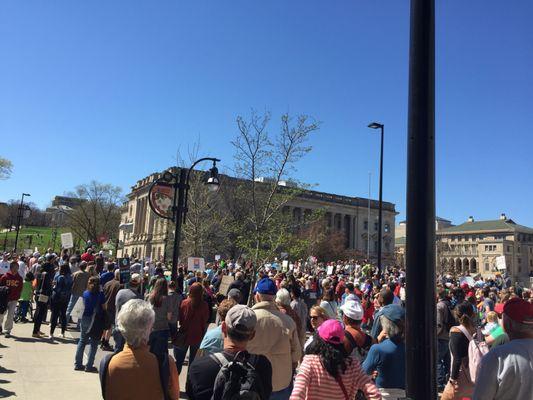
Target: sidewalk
<point>41,369</point>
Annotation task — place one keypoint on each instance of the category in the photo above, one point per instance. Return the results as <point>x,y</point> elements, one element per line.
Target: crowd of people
<point>306,330</point>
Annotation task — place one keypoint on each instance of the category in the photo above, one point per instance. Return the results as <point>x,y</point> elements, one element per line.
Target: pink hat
<point>331,331</point>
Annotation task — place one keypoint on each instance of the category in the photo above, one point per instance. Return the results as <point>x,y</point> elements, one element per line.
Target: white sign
<point>330,269</point>
<point>67,242</point>
<point>196,264</point>
<point>147,259</point>
<point>285,265</point>
<point>500,262</point>
<point>217,257</point>
<point>28,252</point>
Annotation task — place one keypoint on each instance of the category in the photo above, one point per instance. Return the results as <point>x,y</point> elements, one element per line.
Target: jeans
<point>443,361</point>
<point>283,394</point>
<point>71,304</point>
<point>59,311</point>
<point>24,306</point>
<point>84,340</point>
<point>118,339</point>
<point>40,313</point>
<point>158,343</point>
<point>11,305</point>
<point>180,352</point>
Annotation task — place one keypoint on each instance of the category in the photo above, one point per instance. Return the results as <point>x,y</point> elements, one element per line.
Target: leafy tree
<point>6,167</point>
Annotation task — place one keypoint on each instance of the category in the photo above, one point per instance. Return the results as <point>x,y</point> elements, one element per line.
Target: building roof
<point>502,225</point>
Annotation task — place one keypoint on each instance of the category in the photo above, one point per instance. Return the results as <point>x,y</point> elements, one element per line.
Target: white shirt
<point>506,372</point>
<point>22,269</point>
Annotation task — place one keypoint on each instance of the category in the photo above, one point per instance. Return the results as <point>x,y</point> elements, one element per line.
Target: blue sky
<point>109,90</point>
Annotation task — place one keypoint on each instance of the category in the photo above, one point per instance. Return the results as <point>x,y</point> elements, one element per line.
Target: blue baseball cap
<point>266,286</point>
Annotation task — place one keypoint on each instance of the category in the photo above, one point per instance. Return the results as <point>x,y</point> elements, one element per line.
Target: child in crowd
<point>25,296</point>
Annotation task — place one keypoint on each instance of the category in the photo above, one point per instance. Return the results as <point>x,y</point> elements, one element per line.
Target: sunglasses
<point>314,317</point>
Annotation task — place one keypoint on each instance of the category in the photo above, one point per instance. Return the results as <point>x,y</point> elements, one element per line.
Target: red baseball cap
<point>519,310</point>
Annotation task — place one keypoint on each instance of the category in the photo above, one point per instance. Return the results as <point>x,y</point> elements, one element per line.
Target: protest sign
<point>124,268</point>
<point>67,242</point>
<point>217,257</point>
<point>330,269</point>
<point>196,264</point>
<point>224,285</point>
<point>501,263</point>
<point>285,265</point>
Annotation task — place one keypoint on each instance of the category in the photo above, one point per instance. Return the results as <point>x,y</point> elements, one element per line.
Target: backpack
<point>476,351</point>
<point>359,352</point>
<point>237,379</point>
<point>164,373</point>
<point>4,298</point>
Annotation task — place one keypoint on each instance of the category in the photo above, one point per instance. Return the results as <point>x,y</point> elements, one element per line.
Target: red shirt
<point>193,321</point>
<point>14,283</point>
<point>87,257</point>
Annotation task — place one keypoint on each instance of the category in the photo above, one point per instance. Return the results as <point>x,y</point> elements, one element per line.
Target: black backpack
<point>4,298</point>
<point>237,379</point>
<point>164,373</point>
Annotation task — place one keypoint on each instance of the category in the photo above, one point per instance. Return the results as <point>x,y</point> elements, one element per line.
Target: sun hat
<point>353,310</point>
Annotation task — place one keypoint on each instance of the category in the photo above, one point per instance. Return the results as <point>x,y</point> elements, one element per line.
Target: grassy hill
<point>31,237</point>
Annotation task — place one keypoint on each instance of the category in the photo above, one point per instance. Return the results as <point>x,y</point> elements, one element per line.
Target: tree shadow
<point>4,370</point>
<point>4,394</point>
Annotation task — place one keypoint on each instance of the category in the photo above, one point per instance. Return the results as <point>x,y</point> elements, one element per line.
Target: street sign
<point>196,264</point>
<point>67,242</point>
<point>161,198</point>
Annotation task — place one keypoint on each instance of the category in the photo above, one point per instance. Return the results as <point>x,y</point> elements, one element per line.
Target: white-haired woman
<point>283,301</point>
<point>136,363</point>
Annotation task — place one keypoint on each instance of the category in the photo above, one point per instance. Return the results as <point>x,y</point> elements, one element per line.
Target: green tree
<point>6,167</point>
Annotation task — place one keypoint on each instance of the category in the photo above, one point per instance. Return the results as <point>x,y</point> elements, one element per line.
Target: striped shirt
<point>313,382</point>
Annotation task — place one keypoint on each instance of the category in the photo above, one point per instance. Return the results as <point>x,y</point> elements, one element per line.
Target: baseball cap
<point>331,331</point>
<point>353,310</point>
<point>266,286</point>
<point>135,278</point>
<point>241,319</point>
<point>519,310</point>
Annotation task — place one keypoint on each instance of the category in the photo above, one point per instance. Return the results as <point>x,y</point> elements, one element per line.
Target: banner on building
<point>501,263</point>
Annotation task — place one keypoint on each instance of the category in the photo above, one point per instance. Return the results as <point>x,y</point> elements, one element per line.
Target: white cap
<point>353,310</point>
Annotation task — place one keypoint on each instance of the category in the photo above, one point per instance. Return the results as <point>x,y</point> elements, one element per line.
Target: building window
<point>365,225</point>
<point>487,267</point>
<point>519,260</point>
<point>508,249</point>
<point>375,226</point>
<point>375,247</point>
<point>387,246</point>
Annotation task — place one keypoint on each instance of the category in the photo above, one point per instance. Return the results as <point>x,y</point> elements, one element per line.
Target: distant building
<point>481,247</point>
<point>400,238</point>
<point>60,206</point>
<point>143,234</point>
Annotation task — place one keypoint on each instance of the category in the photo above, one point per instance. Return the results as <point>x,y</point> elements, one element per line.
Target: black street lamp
<point>20,215</point>
<point>168,199</point>
<point>377,125</point>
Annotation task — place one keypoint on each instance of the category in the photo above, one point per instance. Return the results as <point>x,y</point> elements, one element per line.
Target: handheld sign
<point>224,285</point>
<point>196,264</point>
<point>124,267</point>
<point>67,241</point>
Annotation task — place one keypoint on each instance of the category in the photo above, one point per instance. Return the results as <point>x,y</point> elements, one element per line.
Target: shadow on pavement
<point>6,370</point>
<point>4,394</point>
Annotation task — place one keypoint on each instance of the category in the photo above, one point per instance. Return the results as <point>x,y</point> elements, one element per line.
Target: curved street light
<point>168,199</point>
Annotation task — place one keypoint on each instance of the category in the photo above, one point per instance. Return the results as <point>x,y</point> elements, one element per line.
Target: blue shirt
<point>388,358</point>
<point>91,301</point>
<point>213,340</point>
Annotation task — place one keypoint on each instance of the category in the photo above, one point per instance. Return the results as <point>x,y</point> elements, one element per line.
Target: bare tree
<point>266,163</point>
<point>6,167</point>
<point>98,212</point>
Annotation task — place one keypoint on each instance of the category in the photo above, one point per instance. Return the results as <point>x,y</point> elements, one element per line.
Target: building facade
<point>144,234</point>
<point>486,247</point>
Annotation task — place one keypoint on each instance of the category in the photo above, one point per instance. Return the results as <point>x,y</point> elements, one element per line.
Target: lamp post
<point>377,125</point>
<point>168,199</point>
<point>20,215</point>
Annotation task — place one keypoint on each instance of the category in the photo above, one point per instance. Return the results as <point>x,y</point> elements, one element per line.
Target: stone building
<point>475,246</point>
<point>144,234</point>
<point>400,239</point>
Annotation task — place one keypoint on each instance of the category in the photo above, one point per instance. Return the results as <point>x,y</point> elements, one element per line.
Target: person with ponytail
<point>460,385</point>
<point>327,372</point>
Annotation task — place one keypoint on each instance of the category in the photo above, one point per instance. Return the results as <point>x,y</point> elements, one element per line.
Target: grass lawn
<point>31,237</point>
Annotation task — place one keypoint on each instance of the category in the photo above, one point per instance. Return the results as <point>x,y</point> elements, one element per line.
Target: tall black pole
<point>380,217</point>
<point>179,206</point>
<point>420,247</point>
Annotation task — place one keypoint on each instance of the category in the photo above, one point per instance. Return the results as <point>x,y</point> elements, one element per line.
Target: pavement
<point>43,369</point>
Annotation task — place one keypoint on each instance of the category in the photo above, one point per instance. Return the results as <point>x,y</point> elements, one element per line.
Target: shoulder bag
<point>42,298</point>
